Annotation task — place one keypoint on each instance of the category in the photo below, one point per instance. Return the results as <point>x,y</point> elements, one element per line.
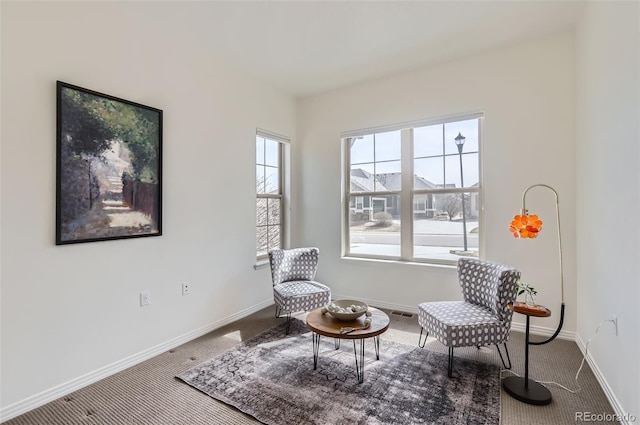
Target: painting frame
<point>108,167</point>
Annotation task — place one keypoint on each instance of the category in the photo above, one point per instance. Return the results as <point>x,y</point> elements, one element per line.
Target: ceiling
<point>308,47</point>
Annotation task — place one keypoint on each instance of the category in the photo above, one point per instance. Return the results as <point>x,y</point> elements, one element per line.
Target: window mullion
<point>406,200</point>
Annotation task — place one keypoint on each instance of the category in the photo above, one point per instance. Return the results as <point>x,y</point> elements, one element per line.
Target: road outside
<point>432,239</point>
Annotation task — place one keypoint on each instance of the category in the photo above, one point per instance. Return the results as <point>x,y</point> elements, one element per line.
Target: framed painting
<point>108,167</point>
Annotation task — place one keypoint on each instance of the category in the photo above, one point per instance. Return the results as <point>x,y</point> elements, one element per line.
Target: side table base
<point>536,393</point>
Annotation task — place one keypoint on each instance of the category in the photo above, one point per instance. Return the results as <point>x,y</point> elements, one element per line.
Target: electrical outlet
<point>186,288</point>
<point>614,320</point>
<point>145,298</point>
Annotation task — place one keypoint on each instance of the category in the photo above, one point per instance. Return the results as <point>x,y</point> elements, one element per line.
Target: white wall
<point>71,310</point>
<point>527,95</point>
<point>608,193</point>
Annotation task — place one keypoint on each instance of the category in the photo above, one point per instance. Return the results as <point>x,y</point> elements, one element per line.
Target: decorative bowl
<point>347,310</point>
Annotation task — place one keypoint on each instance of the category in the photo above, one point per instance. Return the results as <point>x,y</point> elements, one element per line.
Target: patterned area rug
<point>271,378</point>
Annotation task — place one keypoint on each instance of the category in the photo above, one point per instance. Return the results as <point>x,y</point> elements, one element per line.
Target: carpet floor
<point>149,393</point>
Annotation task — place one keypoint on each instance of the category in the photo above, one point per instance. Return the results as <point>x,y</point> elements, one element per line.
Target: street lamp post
<point>460,139</point>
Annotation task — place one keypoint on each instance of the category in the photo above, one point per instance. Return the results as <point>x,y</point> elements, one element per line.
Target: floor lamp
<point>525,226</point>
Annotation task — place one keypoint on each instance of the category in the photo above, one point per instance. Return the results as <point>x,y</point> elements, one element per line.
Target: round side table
<point>525,389</point>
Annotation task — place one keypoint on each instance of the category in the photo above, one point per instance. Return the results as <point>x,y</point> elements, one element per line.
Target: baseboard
<point>520,327</point>
<point>379,304</point>
<point>61,390</point>
<point>543,331</point>
<point>623,417</point>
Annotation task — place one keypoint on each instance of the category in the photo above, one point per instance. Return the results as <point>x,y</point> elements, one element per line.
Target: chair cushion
<point>461,324</point>
<point>301,295</point>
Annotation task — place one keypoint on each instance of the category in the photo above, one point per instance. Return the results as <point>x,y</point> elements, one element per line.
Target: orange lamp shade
<point>525,226</point>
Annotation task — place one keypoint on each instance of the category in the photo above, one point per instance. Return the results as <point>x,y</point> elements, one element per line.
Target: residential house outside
<point>425,205</point>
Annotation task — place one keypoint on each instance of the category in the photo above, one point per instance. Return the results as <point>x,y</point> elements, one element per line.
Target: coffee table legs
<point>360,365</point>
<point>376,343</point>
<point>316,349</point>
<point>359,356</point>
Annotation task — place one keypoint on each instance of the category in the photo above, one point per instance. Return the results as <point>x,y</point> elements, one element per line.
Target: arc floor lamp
<point>525,225</point>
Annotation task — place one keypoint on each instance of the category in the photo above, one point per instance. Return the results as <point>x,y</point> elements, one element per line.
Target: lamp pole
<point>460,139</point>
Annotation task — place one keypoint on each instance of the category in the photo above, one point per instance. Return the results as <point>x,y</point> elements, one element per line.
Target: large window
<point>269,192</point>
<point>412,192</point>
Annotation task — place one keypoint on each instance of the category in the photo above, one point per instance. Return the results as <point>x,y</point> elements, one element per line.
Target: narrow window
<point>269,192</point>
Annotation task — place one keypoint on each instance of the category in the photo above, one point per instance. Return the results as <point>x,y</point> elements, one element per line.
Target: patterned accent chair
<point>483,318</point>
<point>292,274</point>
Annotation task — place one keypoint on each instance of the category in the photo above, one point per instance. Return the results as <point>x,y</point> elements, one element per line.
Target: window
<point>420,204</point>
<point>412,192</point>
<point>269,192</point>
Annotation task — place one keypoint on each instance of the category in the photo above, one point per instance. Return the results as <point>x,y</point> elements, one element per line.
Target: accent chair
<point>294,289</point>
<point>483,318</point>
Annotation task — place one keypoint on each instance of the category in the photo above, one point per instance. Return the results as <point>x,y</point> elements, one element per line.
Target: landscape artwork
<point>109,167</point>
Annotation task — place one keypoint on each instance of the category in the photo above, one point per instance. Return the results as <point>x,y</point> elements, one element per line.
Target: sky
<point>435,155</point>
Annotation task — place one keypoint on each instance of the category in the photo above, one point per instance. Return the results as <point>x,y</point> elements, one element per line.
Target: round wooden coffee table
<point>327,325</point>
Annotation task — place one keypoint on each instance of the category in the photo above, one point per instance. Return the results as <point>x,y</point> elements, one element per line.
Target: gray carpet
<point>149,393</point>
<point>271,377</point>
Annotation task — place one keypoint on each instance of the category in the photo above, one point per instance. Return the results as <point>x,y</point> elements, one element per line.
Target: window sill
<point>261,264</point>
<point>452,265</point>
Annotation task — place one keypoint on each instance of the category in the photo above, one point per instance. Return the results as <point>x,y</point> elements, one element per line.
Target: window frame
<point>407,192</point>
<point>283,145</point>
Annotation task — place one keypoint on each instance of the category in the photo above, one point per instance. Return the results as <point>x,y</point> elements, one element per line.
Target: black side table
<point>525,389</point>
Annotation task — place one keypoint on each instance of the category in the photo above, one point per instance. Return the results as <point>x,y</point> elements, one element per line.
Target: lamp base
<point>535,393</point>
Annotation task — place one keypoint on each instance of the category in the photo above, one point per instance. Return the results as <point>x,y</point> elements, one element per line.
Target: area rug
<point>271,378</point>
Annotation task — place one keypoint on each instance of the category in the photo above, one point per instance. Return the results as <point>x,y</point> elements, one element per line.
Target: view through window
<point>269,190</point>
<point>414,193</point>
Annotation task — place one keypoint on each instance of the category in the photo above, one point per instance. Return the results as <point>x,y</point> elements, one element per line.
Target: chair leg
<point>287,328</point>
<point>421,343</point>
<point>501,358</point>
<point>450,372</point>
